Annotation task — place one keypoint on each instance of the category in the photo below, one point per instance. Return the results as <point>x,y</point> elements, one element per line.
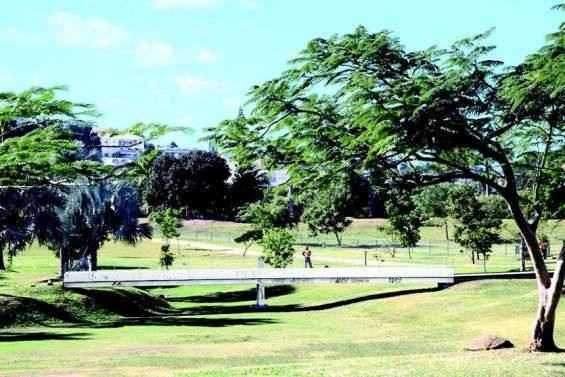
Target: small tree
<point>403,219</point>
<point>249,238</point>
<point>277,244</point>
<point>475,230</point>
<point>326,212</point>
<point>169,221</point>
<point>430,202</point>
<point>269,213</point>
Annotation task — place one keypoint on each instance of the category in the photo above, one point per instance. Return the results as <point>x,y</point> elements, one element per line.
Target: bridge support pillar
<point>444,285</point>
<point>261,297</point>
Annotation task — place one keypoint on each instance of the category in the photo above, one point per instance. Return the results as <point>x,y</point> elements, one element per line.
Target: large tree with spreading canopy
<point>362,102</point>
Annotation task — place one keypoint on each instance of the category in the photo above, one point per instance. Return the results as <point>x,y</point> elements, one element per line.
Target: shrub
<point>277,244</point>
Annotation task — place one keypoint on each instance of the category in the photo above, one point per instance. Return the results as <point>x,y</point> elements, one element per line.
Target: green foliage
<point>166,258</point>
<point>425,117</point>
<point>495,207</point>
<point>326,211</point>
<point>477,227</point>
<point>272,212</point>
<point>249,238</point>
<point>247,186</point>
<point>42,143</point>
<point>169,221</point>
<point>92,215</point>
<point>430,201</point>
<point>150,131</point>
<point>403,219</point>
<point>278,249</point>
<point>195,182</point>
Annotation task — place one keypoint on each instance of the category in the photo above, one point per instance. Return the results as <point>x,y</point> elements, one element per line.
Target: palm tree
<point>94,215</point>
<point>15,226</point>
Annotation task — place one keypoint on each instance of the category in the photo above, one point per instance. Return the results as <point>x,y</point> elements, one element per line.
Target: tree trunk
<point>62,263</point>
<point>247,246</point>
<point>446,231</point>
<point>338,239</point>
<point>484,263</point>
<point>473,256</point>
<point>549,289</point>
<point>542,329</point>
<point>409,254</point>
<point>2,265</point>
<point>94,260</point>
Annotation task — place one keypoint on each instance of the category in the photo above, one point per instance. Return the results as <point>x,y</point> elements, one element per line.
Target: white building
<point>119,150</point>
<point>173,150</point>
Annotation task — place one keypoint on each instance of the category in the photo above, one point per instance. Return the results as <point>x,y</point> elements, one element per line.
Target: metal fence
<point>326,241</point>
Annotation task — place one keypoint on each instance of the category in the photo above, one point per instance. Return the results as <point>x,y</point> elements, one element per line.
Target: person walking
<point>307,257</point>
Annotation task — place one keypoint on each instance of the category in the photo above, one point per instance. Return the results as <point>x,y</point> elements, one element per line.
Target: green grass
<point>360,232</point>
<point>362,236</point>
<point>310,330</point>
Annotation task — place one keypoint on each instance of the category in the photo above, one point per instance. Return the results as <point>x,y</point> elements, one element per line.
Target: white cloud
<point>206,56</point>
<point>156,54</point>
<point>190,85</point>
<point>15,34</point>
<point>159,54</point>
<point>164,4</point>
<point>76,31</point>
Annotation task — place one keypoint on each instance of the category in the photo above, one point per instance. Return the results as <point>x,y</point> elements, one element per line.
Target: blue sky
<point>191,62</point>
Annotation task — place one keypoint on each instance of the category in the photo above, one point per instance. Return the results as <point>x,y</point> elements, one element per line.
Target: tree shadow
<point>236,296</point>
<point>238,309</point>
<point>179,321</point>
<point>104,267</point>
<point>27,336</point>
<point>30,310</point>
<point>128,302</point>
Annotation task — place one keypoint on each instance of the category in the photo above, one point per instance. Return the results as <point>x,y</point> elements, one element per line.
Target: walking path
<point>238,251</point>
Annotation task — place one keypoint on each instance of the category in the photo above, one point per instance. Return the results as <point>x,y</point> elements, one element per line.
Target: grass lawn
<point>316,330</point>
<point>362,236</point>
<point>362,232</point>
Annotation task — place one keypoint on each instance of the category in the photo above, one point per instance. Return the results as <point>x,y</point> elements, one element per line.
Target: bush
<point>166,260</point>
<point>277,244</point>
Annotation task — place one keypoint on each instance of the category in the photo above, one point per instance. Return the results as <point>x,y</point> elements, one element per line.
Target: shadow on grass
<point>25,310</point>
<point>121,268</point>
<point>27,336</point>
<point>180,321</point>
<point>128,302</point>
<point>236,309</point>
<point>236,296</point>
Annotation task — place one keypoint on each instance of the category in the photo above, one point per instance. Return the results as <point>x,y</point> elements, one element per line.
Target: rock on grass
<point>489,342</point>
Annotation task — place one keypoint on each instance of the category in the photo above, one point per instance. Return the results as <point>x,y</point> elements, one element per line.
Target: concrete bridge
<point>258,276</point>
